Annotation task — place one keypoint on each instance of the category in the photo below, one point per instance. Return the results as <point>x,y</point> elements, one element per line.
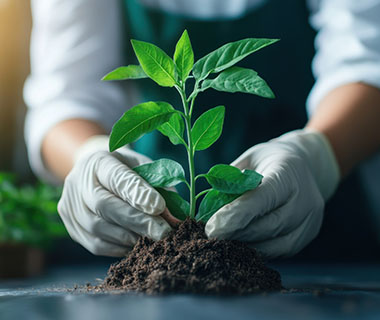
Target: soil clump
<point>187,262</point>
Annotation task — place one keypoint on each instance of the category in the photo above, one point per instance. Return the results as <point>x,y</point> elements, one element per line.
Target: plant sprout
<point>227,182</point>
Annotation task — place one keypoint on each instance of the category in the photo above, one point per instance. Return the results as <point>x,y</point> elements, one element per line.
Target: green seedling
<point>216,71</point>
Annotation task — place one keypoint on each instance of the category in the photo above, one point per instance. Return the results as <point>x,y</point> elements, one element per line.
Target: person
<point>106,206</point>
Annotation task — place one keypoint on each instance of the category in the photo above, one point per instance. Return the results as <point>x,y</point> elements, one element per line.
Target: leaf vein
<point>160,66</point>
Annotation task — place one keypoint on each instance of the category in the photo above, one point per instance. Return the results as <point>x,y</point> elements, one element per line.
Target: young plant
<point>227,182</point>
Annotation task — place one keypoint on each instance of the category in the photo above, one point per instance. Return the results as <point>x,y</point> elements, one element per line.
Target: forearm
<point>349,117</point>
<point>63,140</point>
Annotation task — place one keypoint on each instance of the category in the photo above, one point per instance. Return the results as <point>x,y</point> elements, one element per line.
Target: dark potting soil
<point>187,262</point>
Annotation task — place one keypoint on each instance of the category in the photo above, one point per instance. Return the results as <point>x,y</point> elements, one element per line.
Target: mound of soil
<point>187,262</point>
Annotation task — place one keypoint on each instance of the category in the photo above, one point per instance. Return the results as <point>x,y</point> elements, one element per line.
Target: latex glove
<point>105,205</point>
<point>285,212</point>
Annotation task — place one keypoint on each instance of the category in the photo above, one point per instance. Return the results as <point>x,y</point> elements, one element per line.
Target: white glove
<point>105,205</point>
<point>285,212</point>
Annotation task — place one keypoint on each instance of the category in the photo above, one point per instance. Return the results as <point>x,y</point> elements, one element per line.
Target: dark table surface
<point>345,291</point>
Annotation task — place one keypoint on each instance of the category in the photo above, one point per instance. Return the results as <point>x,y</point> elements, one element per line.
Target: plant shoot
<point>226,182</point>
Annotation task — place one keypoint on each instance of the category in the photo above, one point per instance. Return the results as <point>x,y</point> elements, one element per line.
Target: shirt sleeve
<point>73,44</point>
<point>347,45</point>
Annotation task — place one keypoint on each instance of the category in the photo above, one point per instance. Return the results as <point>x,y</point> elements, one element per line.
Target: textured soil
<point>187,262</point>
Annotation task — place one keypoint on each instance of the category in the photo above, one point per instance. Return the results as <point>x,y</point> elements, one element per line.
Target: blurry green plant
<point>28,214</point>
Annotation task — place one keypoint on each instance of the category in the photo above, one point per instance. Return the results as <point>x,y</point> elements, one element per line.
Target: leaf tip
<point>271,94</point>
<point>111,147</point>
<point>135,42</point>
<point>105,78</point>
<point>111,143</point>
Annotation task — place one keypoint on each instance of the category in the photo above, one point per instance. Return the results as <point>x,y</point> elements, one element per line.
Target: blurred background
<point>32,236</point>
<point>349,232</point>
<point>15,27</point>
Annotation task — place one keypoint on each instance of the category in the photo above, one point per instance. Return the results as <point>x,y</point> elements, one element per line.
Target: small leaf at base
<point>229,179</point>
<point>212,202</point>
<point>177,206</point>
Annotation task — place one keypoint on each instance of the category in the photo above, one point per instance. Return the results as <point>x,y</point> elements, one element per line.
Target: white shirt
<point>75,42</point>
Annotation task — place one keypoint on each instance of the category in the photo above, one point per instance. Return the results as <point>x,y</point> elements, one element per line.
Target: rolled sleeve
<point>73,44</point>
<point>347,45</point>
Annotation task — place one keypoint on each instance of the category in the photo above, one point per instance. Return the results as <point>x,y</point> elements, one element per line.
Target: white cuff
<point>367,73</point>
<point>92,145</point>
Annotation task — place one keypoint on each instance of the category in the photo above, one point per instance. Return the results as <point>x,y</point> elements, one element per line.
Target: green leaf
<point>228,55</point>
<point>212,202</point>
<point>162,173</point>
<point>208,128</point>
<point>155,62</point>
<point>229,179</point>
<point>174,129</point>
<point>236,79</point>
<point>137,121</point>
<point>123,73</point>
<point>177,206</point>
<point>184,56</point>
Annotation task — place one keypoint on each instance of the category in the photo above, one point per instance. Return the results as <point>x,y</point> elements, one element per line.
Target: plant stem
<point>199,176</point>
<point>202,193</point>
<point>190,150</point>
<point>191,170</point>
<point>192,97</point>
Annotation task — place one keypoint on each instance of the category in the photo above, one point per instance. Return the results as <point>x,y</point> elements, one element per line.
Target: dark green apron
<point>286,66</point>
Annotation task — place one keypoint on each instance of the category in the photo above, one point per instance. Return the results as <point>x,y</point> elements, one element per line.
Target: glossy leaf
<point>228,55</point>
<point>212,202</point>
<point>208,128</point>
<point>184,56</point>
<point>162,173</point>
<point>236,79</point>
<point>137,121</point>
<point>124,73</point>
<point>177,206</point>
<point>232,180</point>
<point>155,63</point>
<point>174,129</point>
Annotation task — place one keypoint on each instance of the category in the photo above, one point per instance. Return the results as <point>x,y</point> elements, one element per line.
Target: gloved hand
<point>105,205</point>
<point>285,212</point>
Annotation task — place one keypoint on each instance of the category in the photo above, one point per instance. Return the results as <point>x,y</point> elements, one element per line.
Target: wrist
<point>93,144</point>
<point>61,143</point>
